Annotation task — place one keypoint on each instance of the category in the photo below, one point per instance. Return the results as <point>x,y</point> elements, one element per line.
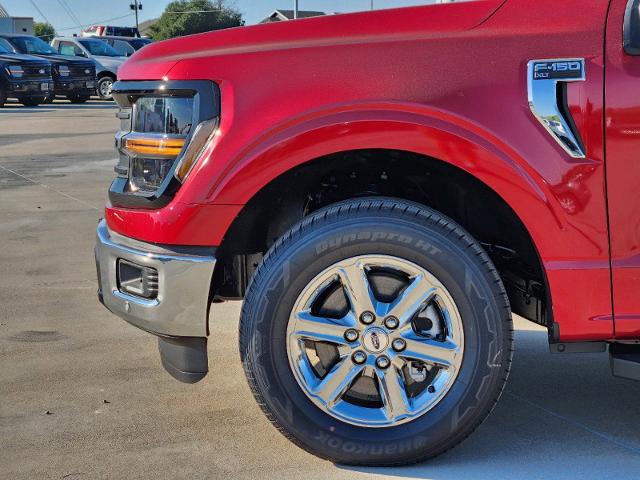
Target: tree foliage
<point>44,30</point>
<point>185,17</point>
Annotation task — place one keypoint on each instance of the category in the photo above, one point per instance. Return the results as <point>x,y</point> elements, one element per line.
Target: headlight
<point>165,128</point>
<point>15,71</point>
<point>160,126</point>
<point>63,70</point>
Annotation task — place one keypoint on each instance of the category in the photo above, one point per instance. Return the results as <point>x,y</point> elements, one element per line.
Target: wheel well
<point>390,173</point>
<point>105,73</point>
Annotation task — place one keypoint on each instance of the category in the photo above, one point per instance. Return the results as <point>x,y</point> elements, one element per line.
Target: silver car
<point>107,59</point>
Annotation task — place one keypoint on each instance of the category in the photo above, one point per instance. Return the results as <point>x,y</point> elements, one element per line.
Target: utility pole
<point>135,6</point>
<point>295,9</point>
<point>371,4</point>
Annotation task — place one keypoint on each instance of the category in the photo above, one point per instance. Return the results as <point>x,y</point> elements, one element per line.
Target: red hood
<point>155,60</point>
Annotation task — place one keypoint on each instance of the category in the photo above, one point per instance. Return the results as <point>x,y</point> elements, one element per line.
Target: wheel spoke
<point>442,354</point>
<point>357,288</point>
<point>319,329</point>
<point>336,383</point>
<point>393,393</point>
<point>417,294</point>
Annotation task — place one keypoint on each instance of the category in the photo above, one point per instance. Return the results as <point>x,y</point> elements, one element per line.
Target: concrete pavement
<point>83,395</point>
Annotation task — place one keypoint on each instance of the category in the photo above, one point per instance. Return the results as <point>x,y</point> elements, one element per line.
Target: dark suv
<point>26,78</point>
<point>74,79</point>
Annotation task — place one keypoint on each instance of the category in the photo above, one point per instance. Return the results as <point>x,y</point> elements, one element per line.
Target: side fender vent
<point>546,85</point>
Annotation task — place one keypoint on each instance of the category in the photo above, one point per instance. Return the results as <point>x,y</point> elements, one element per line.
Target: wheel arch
<point>398,173</point>
<point>106,73</point>
<point>393,126</point>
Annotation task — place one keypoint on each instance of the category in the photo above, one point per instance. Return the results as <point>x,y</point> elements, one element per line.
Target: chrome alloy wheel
<point>375,341</point>
<point>105,87</point>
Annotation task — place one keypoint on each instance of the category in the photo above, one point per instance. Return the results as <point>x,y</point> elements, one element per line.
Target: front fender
<point>402,127</point>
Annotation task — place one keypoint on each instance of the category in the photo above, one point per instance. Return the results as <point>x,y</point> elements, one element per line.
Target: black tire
<point>78,98</point>
<point>402,229</point>
<point>103,89</point>
<point>3,96</point>
<point>32,101</point>
<point>49,99</point>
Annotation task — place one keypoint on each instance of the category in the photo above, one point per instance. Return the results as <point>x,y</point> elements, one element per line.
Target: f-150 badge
<point>544,79</point>
<point>558,69</point>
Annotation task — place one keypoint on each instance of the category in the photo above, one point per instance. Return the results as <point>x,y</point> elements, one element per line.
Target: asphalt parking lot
<point>83,395</point>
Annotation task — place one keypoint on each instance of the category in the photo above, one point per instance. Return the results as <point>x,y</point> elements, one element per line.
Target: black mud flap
<point>625,360</point>
<point>184,358</point>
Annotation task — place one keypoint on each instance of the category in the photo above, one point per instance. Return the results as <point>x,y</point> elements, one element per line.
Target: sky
<point>90,12</point>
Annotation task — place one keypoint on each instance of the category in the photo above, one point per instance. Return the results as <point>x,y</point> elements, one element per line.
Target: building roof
<point>3,11</point>
<point>281,15</point>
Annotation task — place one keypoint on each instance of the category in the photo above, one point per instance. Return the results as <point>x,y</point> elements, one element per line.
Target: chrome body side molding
<point>545,78</point>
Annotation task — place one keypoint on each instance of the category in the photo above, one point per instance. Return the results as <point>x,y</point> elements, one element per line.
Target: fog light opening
<point>137,280</point>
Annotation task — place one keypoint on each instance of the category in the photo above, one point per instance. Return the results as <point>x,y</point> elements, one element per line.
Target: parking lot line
<point>44,185</point>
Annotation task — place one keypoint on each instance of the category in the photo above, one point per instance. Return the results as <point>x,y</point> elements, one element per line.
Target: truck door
<point>622,131</point>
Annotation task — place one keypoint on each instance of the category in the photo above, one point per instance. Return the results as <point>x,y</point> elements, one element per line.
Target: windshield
<point>98,47</point>
<point>5,47</point>
<point>32,45</point>
<point>138,43</point>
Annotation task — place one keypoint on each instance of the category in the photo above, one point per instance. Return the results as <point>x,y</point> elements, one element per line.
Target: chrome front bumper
<point>181,306</point>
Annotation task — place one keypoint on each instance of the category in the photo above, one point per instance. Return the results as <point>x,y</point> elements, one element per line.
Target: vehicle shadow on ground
<point>561,416</point>
<point>58,105</point>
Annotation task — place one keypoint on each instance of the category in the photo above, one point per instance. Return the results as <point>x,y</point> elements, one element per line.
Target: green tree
<point>44,30</point>
<point>184,17</point>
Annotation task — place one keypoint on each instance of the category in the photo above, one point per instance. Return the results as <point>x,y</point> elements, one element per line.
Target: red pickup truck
<point>383,190</point>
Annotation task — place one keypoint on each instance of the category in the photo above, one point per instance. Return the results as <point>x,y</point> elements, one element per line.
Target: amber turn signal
<point>146,145</point>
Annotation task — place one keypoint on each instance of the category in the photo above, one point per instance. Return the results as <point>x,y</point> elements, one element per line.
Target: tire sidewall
<point>78,98</point>
<point>460,271</point>
<point>32,102</point>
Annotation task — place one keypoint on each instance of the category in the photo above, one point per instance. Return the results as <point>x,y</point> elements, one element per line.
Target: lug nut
<point>383,362</point>
<point>367,318</point>
<point>391,322</point>
<point>399,344</point>
<point>351,335</point>
<point>359,357</point>
<point>431,389</point>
